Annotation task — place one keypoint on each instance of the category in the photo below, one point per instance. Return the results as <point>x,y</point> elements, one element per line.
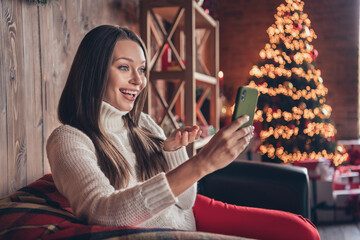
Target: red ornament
<point>297,26</point>
<point>276,99</point>
<point>354,156</point>
<point>278,144</point>
<point>307,123</point>
<point>257,125</point>
<point>274,109</point>
<point>291,56</point>
<point>286,14</point>
<point>292,126</point>
<point>261,81</point>
<point>314,54</point>
<point>166,58</point>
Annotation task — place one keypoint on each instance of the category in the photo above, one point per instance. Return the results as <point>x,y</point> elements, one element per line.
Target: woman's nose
<point>136,78</point>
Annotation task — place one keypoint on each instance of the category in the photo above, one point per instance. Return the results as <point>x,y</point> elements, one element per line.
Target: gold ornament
<point>288,85</point>
<point>302,105</point>
<point>266,108</point>
<point>340,149</point>
<point>325,112</point>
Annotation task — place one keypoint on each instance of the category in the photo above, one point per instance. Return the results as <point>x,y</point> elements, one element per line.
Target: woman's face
<point>127,75</point>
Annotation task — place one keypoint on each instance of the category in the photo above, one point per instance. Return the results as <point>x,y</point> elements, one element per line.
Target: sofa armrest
<point>262,185</point>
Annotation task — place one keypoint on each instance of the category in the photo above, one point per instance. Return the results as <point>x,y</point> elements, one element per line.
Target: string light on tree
<point>292,106</point>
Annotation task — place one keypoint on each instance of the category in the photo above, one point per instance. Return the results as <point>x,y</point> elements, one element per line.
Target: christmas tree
<point>292,108</point>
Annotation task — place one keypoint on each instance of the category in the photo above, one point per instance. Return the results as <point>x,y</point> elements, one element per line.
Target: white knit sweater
<point>78,177</point>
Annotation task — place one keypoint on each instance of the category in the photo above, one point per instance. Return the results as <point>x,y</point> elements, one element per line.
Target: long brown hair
<point>81,100</point>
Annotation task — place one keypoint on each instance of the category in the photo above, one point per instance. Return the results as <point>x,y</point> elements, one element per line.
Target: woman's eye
<point>142,70</point>
<point>124,68</point>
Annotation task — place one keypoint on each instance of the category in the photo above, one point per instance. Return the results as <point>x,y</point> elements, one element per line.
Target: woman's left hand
<point>182,137</point>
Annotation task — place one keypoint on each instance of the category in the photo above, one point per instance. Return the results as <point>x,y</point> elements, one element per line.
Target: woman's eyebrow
<point>126,58</point>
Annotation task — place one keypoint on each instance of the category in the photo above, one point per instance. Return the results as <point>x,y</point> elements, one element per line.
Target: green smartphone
<point>245,104</point>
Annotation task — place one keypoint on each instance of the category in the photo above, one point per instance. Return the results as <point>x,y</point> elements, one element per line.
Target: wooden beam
<point>15,89</point>
<point>203,14</point>
<point>215,94</point>
<point>199,104</point>
<point>190,69</point>
<point>205,78</point>
<point>178,17</point>
<point>33,92</point>
<point>167,75</point>
<point>3,106</point>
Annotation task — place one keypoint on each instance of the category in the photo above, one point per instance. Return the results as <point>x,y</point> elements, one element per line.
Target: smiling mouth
<point>128,94</point>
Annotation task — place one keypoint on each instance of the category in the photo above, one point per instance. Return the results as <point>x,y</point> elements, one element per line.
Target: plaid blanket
<point>39,211</point>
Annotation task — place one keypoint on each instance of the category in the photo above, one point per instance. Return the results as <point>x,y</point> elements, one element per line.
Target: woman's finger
<point>244,131</point>
<point>185,138</point>
<point>198,134</point>
<point>238,136</point>
<point>240,145</point>
<point>243,143</point>
<point>178,136</point>
<point>189,128</point>
<point>192,135</point>
<point>235,125</point>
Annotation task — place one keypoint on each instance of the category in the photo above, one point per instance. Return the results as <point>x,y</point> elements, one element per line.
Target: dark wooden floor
<point>340,231</point>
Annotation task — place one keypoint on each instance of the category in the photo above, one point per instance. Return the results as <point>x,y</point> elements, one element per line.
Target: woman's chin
<point>123,108</point>
<point>127,109</point>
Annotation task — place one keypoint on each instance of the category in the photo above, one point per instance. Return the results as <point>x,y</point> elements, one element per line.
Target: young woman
<point>116,167</point>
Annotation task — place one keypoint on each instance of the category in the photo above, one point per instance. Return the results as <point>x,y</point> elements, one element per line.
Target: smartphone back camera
<point>242,97</point>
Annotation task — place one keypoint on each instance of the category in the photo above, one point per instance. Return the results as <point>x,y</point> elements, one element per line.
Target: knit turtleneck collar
<point>111,117</point>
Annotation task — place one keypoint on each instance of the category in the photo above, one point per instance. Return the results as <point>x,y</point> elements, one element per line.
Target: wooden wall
<point>37,45</point>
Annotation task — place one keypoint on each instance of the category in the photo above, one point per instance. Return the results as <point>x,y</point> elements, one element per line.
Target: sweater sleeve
<point>186,200</point>
<point>79,178</point>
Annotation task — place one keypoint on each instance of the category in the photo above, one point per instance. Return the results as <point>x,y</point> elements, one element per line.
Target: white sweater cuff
<point>175,158</point>
<point>157,194</point>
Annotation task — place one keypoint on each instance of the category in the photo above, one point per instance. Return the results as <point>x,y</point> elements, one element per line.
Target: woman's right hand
<point>220,151</point>
<point>225,146</point>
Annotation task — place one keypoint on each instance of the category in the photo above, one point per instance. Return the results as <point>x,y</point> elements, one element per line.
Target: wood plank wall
<point>37,46</point>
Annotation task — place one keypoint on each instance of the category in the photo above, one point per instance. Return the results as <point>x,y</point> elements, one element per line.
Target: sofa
<point>262,185</point>
<point>39,211</point>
